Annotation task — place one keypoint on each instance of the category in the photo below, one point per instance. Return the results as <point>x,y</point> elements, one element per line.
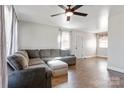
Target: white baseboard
<point>93,56</point>
<point>116,69</point>
<point>89,56</point>
<point>102,56</point>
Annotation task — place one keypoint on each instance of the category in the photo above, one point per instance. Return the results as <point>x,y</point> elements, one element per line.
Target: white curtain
<point>8,24</point>
<point>11,29</point>
<point>14,43</point>
<point>3,63</point>
<point>8,39</point>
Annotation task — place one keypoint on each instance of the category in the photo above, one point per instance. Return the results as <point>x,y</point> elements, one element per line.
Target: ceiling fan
<point>70,11</point>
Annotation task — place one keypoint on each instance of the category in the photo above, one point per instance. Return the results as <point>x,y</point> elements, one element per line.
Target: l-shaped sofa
<point>28,68</point>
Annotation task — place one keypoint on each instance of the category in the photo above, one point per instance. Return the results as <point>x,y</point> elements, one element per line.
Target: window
<point>65,40</point>
<point>103,41</point>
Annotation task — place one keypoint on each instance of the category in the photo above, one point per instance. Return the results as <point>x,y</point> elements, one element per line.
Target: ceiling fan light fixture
<point>69,13</point>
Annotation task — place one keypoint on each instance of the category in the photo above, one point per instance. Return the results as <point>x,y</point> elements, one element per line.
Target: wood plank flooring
<point>90,73</point>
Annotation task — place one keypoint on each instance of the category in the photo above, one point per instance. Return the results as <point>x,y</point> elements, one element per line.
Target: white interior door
<point>79,46</point>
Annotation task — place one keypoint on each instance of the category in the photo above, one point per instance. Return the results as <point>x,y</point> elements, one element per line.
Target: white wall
<point>116,39</point>
<point>102,52</point>
<point>37,36</point>
<point>83,44</point>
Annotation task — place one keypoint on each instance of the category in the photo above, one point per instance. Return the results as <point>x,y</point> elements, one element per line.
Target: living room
<point>47,50</point>
<point>35,32</point>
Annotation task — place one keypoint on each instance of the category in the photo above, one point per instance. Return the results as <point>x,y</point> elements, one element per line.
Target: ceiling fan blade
<point>80,14</point>
<point>76,7</point>
<point>62,6</point>
<point>68,18</point>
<point>69,5</point>
<point>57,14</point>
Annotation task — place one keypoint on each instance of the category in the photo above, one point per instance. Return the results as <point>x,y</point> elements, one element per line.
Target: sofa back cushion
<point>45,53</point>
<point>55,52</point>
<point>18,61</point>
<point>65,53</point>
<point>33,53</point>
<point>24,53</point>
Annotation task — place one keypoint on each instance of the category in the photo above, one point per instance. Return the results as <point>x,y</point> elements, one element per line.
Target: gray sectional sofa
<point>28,68</point>
<point>52,54</point>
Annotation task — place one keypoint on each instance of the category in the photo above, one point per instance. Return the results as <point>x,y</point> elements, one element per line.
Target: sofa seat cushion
<point>57,64</point>
<point>35,61</point>
<point>40,66</point>
<point>48,58</point>
<point>51,58</point>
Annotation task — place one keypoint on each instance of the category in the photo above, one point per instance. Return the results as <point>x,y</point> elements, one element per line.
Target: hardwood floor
<point>90,73</point>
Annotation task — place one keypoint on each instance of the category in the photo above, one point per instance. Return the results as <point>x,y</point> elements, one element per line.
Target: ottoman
<point>58,67</point>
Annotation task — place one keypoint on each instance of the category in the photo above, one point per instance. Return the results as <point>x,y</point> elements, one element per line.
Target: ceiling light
<point>69,13</point>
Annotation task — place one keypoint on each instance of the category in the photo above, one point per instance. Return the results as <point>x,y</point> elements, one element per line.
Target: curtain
<point>13,44</point>
<point>11,30</point>
<point>8,39</point>
<point>8,24</point>
<point>3,63</point>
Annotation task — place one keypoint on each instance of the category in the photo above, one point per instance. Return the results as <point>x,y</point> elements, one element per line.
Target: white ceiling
<point>96,21</point>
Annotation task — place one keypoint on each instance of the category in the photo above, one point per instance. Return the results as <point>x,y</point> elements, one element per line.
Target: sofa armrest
<point>29,78</point>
